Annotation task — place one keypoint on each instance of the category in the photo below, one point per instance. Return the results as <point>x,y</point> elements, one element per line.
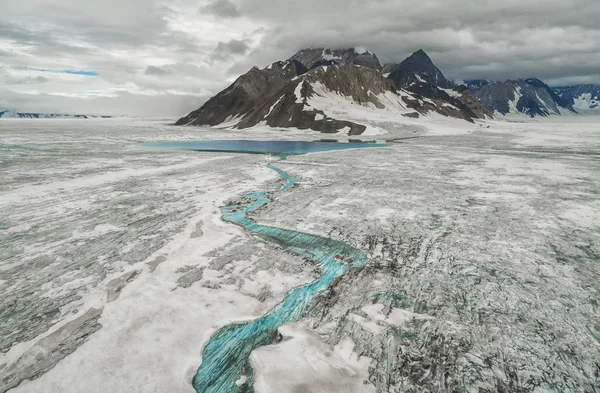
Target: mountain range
<point>26,115</point>
<point>332,90</point>
<point>583,98</point>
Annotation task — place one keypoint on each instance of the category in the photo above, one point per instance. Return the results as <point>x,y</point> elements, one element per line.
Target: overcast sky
<point>165,58</point>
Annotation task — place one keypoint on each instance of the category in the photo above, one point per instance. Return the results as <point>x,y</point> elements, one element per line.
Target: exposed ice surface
<point>484,263</point>
<point>304,363</point>
<point>82,208</point>
<point>483,244</point>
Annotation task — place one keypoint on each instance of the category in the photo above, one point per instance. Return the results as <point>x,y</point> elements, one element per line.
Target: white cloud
<point>179,52</point>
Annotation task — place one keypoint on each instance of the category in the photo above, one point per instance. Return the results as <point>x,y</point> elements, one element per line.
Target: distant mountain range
<point>308,90</point>
<point>533,97</point>
<point>22,115</point>
<point>583,98</point>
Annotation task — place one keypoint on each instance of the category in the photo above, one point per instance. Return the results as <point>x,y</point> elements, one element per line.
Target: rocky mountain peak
<point>285,69</point>
<point>534,82</point>
<point>421,65</point>
<point>419,60</point>
<point>316,57</point>
<point>420,54</point>
<point>561,102</point>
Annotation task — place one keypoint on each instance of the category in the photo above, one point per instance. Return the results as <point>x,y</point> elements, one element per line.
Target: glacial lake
<point>261,147</point>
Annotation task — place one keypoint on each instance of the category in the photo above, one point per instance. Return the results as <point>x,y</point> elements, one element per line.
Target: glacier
<point>480,240</point>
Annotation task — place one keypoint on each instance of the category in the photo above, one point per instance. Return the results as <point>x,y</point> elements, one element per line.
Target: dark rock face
<point>467,98</point>
<point>403,78</point>
<point>323,63</point>
<point>589,95</point>
<point>531,97</point>
<point>421,65</point>
<point>242,97</point>
<point>285,69</point>
<point>412,115</point>
<point>539,85</point>
<point>286,109</point>
<point>247,93</point>
<point>433,92</point>
<point>362,84</point>
<point>352,56</point>
<point>497,96</point>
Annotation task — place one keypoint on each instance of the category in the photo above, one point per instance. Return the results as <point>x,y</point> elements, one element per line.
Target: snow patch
<point>229,121</point>
<point>328,55</point>
<point>298,93</point>
<point>420,79</point>
<point>586,104</point>
<point>273,106</point>
<point>451,92</point>
<point>512,105</point>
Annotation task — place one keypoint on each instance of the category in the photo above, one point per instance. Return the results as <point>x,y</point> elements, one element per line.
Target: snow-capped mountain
<point>530,97</point>
<point>419,75</point>
<point>25,115</point>
<point>583,98</point>
<point>323,90</point>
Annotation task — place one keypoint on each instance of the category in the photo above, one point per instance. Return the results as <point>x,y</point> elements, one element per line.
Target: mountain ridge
<point>421,65</point>
<point>255,98</point>
<point>286,93</point>
<point>584,98</point>
<point>35,115</point>
<point>530,97</point>
<point>312,57</point>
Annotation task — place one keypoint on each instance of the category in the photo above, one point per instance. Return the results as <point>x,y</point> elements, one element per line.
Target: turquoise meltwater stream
<point>225,358</point>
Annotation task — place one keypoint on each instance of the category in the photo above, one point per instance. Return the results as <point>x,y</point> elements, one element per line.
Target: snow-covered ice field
<point>115,265</point>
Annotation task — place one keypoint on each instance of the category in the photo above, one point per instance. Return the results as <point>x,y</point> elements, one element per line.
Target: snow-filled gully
<point>225,364</point>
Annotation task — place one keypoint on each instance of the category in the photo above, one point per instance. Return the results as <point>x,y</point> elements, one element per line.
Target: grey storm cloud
<point>223,8</point>
<point>165,50</point>
<point>239,47</point>
<point>153,70</point>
